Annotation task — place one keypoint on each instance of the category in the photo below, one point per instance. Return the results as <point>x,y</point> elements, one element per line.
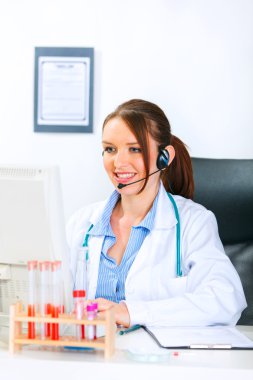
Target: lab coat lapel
<point>163,233</point>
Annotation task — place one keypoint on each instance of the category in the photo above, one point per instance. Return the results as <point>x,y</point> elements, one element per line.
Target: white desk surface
<point>37,363</point>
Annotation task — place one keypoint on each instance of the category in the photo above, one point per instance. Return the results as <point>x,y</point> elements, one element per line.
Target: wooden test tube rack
<point>17,338</point>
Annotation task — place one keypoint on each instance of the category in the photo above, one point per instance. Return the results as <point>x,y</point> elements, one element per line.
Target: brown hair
<point>143,118</point>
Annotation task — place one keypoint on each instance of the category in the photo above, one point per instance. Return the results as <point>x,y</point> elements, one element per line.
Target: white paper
<point>63,91</point>
<point>187,336</point>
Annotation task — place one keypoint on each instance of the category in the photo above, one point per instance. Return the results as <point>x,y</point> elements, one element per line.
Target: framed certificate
<point>63,89</point>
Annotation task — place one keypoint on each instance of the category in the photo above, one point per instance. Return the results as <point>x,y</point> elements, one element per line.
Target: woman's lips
<point>124,177</point>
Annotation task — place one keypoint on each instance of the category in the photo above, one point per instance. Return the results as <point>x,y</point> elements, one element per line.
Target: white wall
<point>192,57</point>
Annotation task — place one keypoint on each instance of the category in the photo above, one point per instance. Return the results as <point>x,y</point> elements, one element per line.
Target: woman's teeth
<point>125,175</point>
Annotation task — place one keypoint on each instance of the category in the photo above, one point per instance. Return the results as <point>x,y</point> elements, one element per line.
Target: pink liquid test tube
<point>91,315</point>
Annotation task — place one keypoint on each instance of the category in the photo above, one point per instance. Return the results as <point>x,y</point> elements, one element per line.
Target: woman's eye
<point>109,149</point>
<point>135,150</point>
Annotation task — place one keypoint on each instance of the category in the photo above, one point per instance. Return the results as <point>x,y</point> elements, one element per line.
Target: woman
<point>156,258</point>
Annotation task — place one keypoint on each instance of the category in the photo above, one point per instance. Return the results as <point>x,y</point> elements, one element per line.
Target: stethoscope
<point>178,253</point>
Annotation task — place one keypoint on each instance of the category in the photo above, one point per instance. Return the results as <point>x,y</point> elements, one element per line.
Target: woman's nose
<point>121,158</point>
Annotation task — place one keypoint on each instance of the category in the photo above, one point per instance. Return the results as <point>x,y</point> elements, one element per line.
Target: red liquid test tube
<point>56,304</point>
<point>32,296</point>
<point>45,302</point>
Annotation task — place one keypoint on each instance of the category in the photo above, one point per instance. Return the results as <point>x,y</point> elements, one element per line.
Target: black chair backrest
<point>225,186</point>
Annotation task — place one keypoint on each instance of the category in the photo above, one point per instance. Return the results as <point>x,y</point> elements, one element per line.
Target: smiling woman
<point>123,157</point>
<point>155,255</point>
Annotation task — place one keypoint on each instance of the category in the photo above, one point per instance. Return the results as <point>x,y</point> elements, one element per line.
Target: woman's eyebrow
<point>130,143</point>
<point>106,142</point>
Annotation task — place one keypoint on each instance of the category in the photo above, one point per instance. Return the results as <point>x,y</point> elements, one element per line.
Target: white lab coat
<point>210,291</point>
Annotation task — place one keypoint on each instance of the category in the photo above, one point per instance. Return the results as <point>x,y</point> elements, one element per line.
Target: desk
<point>34,363</point>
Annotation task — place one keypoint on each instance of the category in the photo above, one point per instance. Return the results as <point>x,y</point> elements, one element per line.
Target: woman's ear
<point>171,152</point>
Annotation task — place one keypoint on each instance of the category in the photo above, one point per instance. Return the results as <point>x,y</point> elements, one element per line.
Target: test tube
<point>61,294</point>
<point>80,289</point>
<point>45,304</point>
<point>79,297</point>
<point>95,327</point>
<point>91,315</point>
<point>56,298</point>
<point>32,296</point>
<point>81,282</point>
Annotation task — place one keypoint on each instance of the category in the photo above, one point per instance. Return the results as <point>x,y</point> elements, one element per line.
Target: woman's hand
<point>120,309</point>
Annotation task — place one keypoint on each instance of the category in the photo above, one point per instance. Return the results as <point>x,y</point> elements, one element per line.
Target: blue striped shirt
<point>112,277</point>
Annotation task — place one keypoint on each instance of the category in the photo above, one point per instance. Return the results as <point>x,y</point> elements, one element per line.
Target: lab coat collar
<point>97,213</point>
<point>165,215</point>
<point>103,223</point>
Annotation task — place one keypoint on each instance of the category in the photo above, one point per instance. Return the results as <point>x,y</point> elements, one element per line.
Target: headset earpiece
<point>162,159</point>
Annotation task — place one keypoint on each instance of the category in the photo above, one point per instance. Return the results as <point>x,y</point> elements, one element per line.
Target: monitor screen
<point>32,227</point>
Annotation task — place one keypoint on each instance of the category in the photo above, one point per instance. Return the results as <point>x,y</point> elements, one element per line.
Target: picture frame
<point>63,89</point>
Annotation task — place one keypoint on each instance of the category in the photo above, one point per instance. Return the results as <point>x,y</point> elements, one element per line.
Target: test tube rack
<point>18,318</point>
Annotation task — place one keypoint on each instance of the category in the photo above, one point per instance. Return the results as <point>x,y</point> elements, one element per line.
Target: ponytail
<point>178,177</point>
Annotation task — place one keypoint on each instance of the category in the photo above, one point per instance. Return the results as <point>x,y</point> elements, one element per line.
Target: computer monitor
<point>32,227</point>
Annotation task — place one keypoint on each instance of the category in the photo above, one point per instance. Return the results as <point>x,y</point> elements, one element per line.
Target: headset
<point>163,159</point>
<point>162,162</point>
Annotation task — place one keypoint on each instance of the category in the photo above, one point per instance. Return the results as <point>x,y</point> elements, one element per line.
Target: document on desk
<point>213,337</point>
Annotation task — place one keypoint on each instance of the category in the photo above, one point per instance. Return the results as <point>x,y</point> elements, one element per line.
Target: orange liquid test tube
<point>32,297</point>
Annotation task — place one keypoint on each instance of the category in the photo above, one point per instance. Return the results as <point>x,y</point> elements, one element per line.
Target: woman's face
<point>123,159</point>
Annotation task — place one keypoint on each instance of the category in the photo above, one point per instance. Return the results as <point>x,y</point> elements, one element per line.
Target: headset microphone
<point>161,162</point>
<point>121,185</point>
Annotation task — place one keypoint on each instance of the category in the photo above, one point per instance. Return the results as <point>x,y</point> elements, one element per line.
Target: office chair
<point>225,186</point>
